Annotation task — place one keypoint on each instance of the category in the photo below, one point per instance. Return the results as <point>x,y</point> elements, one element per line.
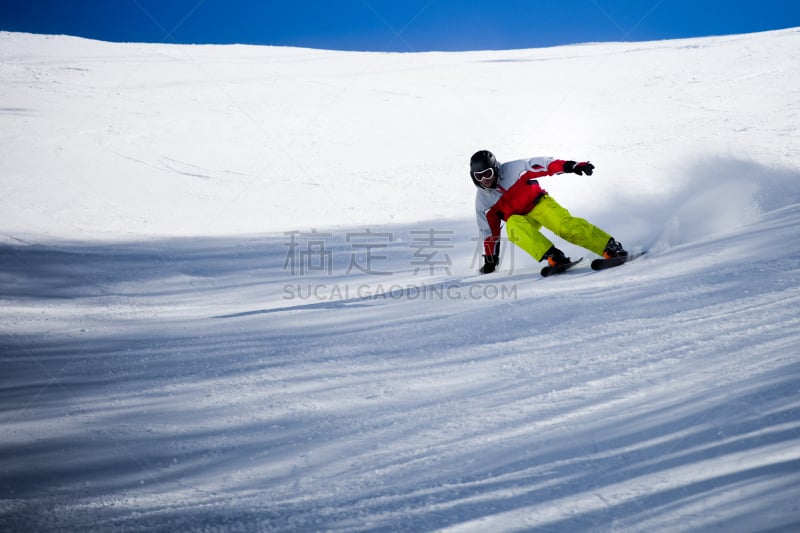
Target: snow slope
<point>238,290</point>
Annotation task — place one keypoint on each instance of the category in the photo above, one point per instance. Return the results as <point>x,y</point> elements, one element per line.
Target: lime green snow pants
<point>523,230</point>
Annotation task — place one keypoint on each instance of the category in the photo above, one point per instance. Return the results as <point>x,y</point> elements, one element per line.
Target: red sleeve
<point>490,245</point>
<point>556,167</point>
<point>493,218</point>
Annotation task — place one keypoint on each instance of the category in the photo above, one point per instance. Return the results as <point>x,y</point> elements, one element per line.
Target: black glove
<point>579,168</point>
<point>490,262</point>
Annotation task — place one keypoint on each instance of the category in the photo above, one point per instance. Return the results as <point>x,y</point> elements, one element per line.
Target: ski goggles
<point>484,177</point>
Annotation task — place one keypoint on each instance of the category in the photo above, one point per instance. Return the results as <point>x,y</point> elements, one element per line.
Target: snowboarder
<point>510,192</point>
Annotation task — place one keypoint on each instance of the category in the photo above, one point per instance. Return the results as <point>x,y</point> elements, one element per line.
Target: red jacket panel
<point>519,199</point>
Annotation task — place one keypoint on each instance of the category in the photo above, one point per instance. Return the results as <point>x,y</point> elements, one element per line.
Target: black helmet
<point>484,169</point>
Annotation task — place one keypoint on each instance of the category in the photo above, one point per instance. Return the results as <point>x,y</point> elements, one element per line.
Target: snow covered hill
<point>238,290</point>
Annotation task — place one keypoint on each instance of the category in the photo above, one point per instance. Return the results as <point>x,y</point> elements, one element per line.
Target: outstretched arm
<point>547,166</point>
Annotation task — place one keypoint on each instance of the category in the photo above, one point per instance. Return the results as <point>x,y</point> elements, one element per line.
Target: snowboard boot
<point>556,257</point>
<point>614,249</point>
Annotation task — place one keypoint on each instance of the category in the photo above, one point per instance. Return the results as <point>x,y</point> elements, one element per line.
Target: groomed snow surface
<point>239,290</point>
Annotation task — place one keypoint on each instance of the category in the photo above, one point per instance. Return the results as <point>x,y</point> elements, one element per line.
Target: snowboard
<point>558,269</point>
<point>602,264</point>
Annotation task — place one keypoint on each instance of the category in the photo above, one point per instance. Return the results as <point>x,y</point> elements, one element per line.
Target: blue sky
<point>396,25</point>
